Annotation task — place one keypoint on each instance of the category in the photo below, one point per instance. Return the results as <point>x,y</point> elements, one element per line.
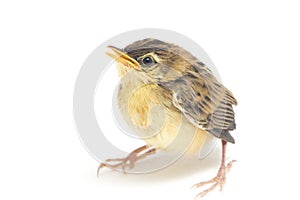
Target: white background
<point>254,44</point>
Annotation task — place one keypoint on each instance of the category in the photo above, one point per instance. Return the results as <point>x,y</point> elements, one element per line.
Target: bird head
<point>154,60</point>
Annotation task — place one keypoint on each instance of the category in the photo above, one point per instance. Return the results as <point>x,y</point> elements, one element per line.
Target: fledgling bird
<point>155,72</point>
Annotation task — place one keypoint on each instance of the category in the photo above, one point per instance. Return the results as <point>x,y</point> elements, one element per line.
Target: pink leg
<point>220,179</point>
<point>129,161</point>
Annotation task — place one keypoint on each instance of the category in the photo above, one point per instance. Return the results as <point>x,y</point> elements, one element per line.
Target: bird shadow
<point>184,167</point>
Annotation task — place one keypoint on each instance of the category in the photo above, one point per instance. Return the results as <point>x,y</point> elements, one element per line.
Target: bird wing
<point>205,103</point>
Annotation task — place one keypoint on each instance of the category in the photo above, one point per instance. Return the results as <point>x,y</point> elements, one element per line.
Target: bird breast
<point>144,110</point>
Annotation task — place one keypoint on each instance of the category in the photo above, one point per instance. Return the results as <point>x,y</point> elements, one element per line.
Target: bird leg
<point>129,161</point>
<point>220,179</point>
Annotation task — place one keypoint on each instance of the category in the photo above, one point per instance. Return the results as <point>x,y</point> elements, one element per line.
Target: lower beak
<point>122,57</point>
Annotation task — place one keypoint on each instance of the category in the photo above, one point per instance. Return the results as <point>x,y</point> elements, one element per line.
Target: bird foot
<point>127,162</point>
<point>219,180</point>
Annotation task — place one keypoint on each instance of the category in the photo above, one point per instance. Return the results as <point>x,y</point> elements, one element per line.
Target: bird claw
<point>219,180</point>
<point>127,162</point>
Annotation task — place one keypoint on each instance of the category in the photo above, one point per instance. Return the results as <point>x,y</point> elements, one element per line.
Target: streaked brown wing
<point>205,103</point>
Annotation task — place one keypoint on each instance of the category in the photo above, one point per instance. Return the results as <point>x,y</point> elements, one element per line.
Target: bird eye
<point>148,61</point>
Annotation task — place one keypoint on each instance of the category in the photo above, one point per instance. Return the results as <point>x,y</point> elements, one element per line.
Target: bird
<point>157,73</point>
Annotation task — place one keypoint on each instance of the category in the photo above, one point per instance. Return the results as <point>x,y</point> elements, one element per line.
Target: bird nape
<point>167,75</point>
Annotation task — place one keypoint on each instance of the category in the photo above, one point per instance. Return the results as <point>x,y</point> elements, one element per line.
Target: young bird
<point>156,73</point>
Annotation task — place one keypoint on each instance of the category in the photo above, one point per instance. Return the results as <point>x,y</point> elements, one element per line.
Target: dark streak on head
<point>192,76</point>
<point>201,63</point>
<point>199,110</point>
<point>155,42</point>
<point>196,69</point>
<point>207,99</point>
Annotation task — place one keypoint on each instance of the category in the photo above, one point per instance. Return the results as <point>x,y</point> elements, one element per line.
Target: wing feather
<point>205,103</point>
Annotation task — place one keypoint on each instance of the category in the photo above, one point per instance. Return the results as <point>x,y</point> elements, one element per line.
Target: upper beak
<point>122,57</point>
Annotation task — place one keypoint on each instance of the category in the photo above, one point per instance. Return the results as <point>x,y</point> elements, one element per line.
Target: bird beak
<point>122,57</point>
